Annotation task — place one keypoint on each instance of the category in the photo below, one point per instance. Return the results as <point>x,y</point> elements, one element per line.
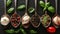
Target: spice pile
<point>4,20</point>
<point>25,20</point>
<point>35,20</point>
<point>46,20</point>
<point>15,20</point>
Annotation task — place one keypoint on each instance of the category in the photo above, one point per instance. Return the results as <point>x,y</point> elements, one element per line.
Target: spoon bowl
<point>35,20</point>
<point>5,19</point>
<point>46,20</point>
<point>15,20</point>
<point>26,20</point>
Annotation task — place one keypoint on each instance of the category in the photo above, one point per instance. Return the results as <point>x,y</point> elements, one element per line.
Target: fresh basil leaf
<point>51,9</point>
<point>41,3</point>
<point>10,10</point>
<point>21,7</point>
<point>22,30</point>
<point>17,31</point>
<point>8,2</point>
<point>47,4</point>
<point>10,31</point>
<point>31,10</point>
<point>44,9</point>
<point>33,32</point>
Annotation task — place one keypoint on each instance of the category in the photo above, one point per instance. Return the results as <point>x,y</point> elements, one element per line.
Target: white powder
<point>25,19</point>
<point>4,20</point>
<point>55,19</point>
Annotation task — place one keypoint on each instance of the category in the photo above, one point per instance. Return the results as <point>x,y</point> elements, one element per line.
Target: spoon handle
<point>35,6</point>
<point>15,5</point>
<point>5,6</point>
<point>26,5</point>
<point>56,5</point>
<point>45,2</point>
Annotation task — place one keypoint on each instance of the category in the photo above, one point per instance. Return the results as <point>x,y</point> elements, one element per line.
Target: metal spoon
<point>56,17</point>
<point>5,19</point>
<point>26,18</point>
<point>15,18</point>
<point>45,19</point>
<point>35,19</point>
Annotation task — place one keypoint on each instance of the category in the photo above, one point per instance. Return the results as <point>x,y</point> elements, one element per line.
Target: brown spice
<point>35,20</point>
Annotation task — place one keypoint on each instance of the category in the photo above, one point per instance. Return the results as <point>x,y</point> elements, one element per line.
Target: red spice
<point>16,20</point>
<point>12,20</point>
<point>14,24</point>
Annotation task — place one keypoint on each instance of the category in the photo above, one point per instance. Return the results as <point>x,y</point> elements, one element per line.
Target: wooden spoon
<point>15,18</point>
<point>56,18</point>
<point>45,19</point>
<point>5,19</point>
<point>26,18</point>
<point>35,19</point>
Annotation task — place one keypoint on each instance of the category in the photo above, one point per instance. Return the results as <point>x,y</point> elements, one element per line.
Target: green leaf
<point>10,10</point>
<point>8,2</point>
<point>21,7</point>
<point>10,31</point>
<point>42,3</point>
<point>44,9</point>
<point>33,32</point>
<point>17,31</point>
<point>22,30</point>
<point>21,25</point>
<point>31,10</point>
<point>51,9</point>
<point>47,4</point>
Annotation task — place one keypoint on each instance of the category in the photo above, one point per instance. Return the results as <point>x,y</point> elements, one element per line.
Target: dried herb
<point>35,20</point>
<point>45,19</point>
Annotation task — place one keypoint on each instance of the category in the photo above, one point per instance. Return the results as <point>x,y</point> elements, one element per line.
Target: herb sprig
<point>47,6</point>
